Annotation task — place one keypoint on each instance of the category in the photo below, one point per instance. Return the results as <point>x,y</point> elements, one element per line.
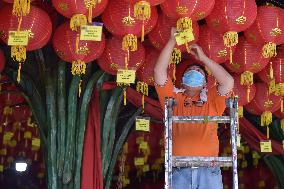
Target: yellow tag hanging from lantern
<point>142,11</point>
<point>77,21</point>
<point>230,39</point>
<point>143,88</point>
<point>269,50</point>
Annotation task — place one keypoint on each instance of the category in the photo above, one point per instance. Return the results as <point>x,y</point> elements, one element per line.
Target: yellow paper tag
<point>265,146</point>
<point>146,168</point>
<point>184,37</point>
<point>142,124</point>
<point>36,142</point>
<point>18,38</point>
<point>143,145</point>
<point>91,33</point>
<point>125,76</point>
<point>238,140</point>
<point>1,168</point>
<point>139,161</point>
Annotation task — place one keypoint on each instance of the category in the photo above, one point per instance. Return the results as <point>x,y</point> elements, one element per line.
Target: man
<point>194,139</point>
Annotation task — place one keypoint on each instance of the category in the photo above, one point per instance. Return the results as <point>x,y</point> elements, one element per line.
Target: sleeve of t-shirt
<point>218,100</point>
<point>163,91</point>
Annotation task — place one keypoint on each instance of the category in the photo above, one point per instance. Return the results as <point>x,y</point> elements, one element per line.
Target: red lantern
<point>68,8</point>
<point>160,35</point>
<point>113,57</point>
<point>2,61</point>
<point>268,28</point>
<point>194,9</point>
<point>37,22</point>
<point>69,49</point>
<point>213,45</point>
<point>152,2</point>
<point>119,19</point>
<point>265,103</point>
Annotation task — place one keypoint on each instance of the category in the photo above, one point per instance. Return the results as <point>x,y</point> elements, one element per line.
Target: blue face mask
<point>193,78</point>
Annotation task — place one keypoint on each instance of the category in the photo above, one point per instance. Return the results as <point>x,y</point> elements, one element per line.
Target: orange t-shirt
<point>194,139</point>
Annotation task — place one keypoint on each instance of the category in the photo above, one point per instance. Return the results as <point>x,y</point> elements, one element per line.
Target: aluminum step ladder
<point>180,161</point>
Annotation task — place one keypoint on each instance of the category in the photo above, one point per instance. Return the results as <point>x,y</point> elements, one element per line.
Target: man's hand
<point>197,52</point>
<point>173,33</point>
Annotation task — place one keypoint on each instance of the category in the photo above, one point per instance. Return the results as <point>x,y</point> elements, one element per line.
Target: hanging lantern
<point>193,9</point>
<point>80,10</point>
<point>38,25</point>
<point>241,91</point>
<point>265,104</point>
<point>230,17</point>
<point>267,30</point>
<point>2,62</point>
<point>152,2</point>
<point>247,61</point>
<point>77,52</point>
<point>213,45</point>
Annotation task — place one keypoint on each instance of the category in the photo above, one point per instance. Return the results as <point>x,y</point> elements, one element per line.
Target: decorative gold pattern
<point>181,9</point>
<point>222,53</point>
<point>128,21</point>
<point>200,15</point>
<point>241,20</point>
<point>255,65</point>
<point>268,104</point>
<point>31,34</point>
<point>83,50</point>
<point>275,32</point>
<point>63,6</point>
<point>113,66</point>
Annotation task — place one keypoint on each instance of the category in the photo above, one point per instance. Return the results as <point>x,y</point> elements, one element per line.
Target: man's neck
<point>190,93</point>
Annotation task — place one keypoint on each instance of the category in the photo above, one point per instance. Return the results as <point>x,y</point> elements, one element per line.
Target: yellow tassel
<point>271,71</point>
<point>176,56</point>
<point>269,50</point>
<point>143,88</point>
<point>241,111</point>
<point>90,4</point>
<point>247,78</point>
<point>279,89</point>
<point>188,49</point>
<point>19,72</point>
<point>267,132</point>
<point>129,43</point>
<point>184,23</point>
<point>21,7</point>
<point>282,124</point>
<point>248,93</point>
<point>77,44</point>
<point>77,21</point>
<point>230,39</point>
<point>80,88</point>
<point>282,104</point>
<point>143,105</point>
<point>272,86</point>
<point>142,11</point>
<point>266,118</point>
<point>20,19</point>
<point>231,55</point>
<point>78,67</point>
<point>18,53</point>
<point>7,111</point>
<point>174,73</point>
<point>124,96</point>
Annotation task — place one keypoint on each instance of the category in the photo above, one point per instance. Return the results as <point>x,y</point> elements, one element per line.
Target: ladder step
<point>183,161</point>
<point>194,119</point>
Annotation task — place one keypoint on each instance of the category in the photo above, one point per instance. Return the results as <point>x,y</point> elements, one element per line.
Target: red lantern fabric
<point>146,72</point>
<point>70,7</point>
<point>119,19</point>
<point>21,113</point>
<point>277,68</point>
<point>113,57</point>
<point>247,57</point>
<point>241,91</point>
<point>194,9</point>
<point>160,35</point>
<point>232,15</point>
<point>64,43</point>
<point>37,22</point>
<point>152,2</point>
<point>12,1</point>
<point>268,26</point>
<point>263,101</point>
<point>2,61</point>
<point>213,45</point>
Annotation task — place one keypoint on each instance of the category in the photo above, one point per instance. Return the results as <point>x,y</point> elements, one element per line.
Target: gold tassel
<point>184,23</point>
<point>174,73</point>
<point>18,53</point>
<point>266,118</point>
<point>176,56</point>
<point>267,132</point>
<point>80,88</point>
<point>230,39</point>
<point>247,78</point>
<point>269,50</point>
<point>90,4</point>
<point>271,71</point>
<point>129,42</point>
<point>282,104</point>
<point>78,67</point>
<point>124,96</point>
<point>272,86</point>
<point>7,111</point>
<point>19,72</point>
<point>21,7</point>
<point>279,89</point>
<point>142,11</point>
<point>77,21</point>
<point>241,111</point>
<point>143,105</point>
<point>77,44</point>
<point>143,88</point>
<point>282,124</point>
<point>248,93</point>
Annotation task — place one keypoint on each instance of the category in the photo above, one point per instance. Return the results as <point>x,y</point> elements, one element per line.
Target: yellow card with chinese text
<point>142,124</point>
<point>125,76</point>
<point>18,38</point>
<point>91,33</point>
<point>184,37</point>
<point>265,146</point>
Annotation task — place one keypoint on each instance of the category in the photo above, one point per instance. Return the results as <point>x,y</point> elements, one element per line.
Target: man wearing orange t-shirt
<point>194,100</point>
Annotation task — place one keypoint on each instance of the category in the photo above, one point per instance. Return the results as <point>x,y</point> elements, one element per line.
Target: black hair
<point>200,66</point>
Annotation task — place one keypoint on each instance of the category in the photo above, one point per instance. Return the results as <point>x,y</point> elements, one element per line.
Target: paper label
<point>184,37</point>
<point>36,142</point>
<point>265,146</point>
<point>143,145</point>
<point>91,33</point>
<point>125,76</point>
<point>139,161</point>
<point>146,168</point>
<point>142,124</point>
<point>18,38</point>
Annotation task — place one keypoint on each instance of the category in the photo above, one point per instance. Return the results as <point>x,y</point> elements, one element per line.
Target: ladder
<point>181,161</point>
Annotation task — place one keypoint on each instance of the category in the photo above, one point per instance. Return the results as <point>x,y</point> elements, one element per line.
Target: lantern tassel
<point>266,118</point>
<point>248,93</point>
<point>269,50</point>
<point>19,72</point>
<point>20,19</point>
<point>80,88</point>
<point>271,71</point>
<point>230,39</point>
<point>77,43</point>
<point>247,78</point>
<point>18,53</point>
<point>143,32</point>
<point>142,11</point>
<point>282,124</point>
<point>241,111</point>
<point>124,96</point>
<point>231,55</point>
<point>143,103</point>
<point>78,67</point>
<point>174,73</point>
<point>77,21</point>
<point>267,132</point>
<point>282,105</point>
<point>184,23</point>
<point>21,7</point>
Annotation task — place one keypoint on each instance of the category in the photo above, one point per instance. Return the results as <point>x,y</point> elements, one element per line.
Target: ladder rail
<point>201,119</point>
